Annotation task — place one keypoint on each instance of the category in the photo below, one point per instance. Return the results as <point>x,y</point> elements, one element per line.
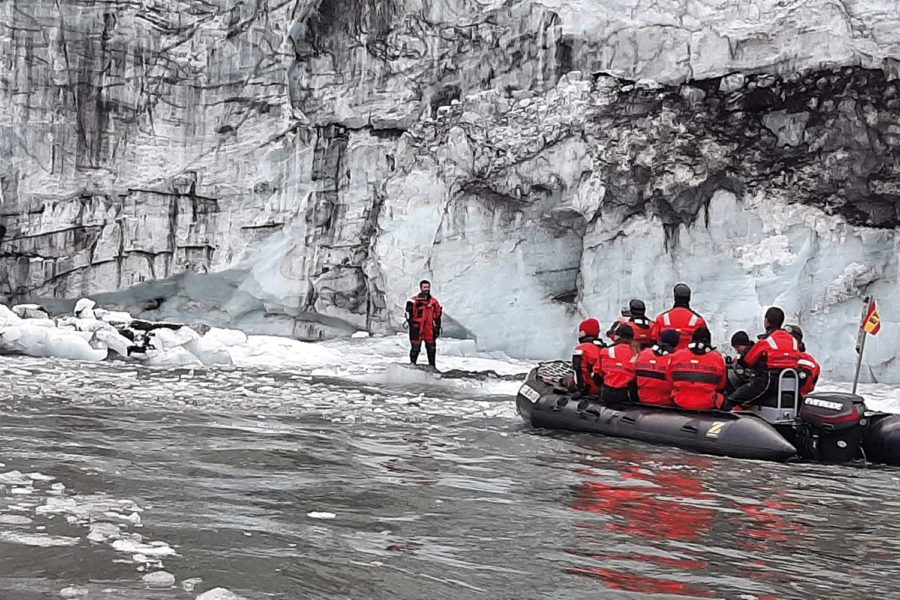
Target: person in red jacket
<point>586,357</point>
<point>615,371</point>
<point>808,367</point>
<point>636,318</point>
<point>650,370</point>
<point>680,318</point>
<point>698,374</point>
<point>775,351</point>
<point>423,314</point>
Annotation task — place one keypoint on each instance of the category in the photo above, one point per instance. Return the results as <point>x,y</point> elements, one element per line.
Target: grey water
<point>281,485</point>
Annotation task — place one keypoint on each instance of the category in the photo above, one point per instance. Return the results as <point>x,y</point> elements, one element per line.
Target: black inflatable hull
<point>882,440</point>
<point>719,433</point>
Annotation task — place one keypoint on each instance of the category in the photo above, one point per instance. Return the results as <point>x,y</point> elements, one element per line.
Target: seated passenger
<point>680,317</point>
<point>650,370</point>
<point>636,318</point>
<point>697,374</point>
<point>615,371</point>
<point>586,356</point>
<point>775,351</point>
<point>807,366</point>
<point>738,374</point>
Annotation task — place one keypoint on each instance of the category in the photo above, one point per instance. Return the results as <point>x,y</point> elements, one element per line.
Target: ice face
<point>306,199</point>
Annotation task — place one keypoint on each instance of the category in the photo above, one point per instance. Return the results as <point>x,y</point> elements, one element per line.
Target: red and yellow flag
<point>872,322</point>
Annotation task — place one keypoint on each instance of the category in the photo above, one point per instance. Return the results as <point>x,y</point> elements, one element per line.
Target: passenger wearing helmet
<point>615,373</point>
<point>586,356</point>
<point>636,318</point>
<point>679,318</point>
<point>807,366</point>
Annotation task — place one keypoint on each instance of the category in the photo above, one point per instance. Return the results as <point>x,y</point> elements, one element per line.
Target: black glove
<point>729,361</point>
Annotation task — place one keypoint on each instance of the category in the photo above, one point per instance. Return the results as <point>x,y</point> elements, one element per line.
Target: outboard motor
<point>832,426</point>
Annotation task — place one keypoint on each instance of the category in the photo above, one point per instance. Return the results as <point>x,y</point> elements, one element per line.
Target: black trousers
<point>627,395</point>
<point>762,385</point>
<point>416,348</point>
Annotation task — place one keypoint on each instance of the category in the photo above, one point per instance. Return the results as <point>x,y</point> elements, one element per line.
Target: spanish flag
<point>872,322</point>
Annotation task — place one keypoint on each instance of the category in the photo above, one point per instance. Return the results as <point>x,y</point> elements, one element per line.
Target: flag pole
<point>861,341</point>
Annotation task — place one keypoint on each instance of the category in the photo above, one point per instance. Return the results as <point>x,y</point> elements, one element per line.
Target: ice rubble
<point>96,335</point>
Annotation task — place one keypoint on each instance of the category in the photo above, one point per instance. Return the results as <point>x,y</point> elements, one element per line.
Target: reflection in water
<point>660,504</point>
<point>280,487</point>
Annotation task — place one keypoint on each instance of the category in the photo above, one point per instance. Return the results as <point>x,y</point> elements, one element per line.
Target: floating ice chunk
<point>100,532</point>
<point>219,594</point>
<point>74,591</point>
<point>158,579</point>
<point>188,585</point>
<point>14,520</point>
<point>40,477</point>
<point>14,478</point>
<point>39,540</point>
<point>57,506</point>
<point>22,491</point>
<point>360,335</point>
<point>133,547</point>
<point>320,515</point>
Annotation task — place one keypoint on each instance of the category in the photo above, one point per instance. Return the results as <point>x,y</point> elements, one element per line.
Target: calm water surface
<point>285,486</point>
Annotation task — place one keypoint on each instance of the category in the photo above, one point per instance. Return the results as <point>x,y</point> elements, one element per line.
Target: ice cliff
<point>295,167</point>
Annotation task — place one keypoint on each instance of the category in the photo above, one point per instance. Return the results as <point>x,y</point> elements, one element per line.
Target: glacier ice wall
<point>295,167</point>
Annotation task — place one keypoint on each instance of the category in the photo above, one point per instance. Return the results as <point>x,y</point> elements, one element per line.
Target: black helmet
<point>741,339</point>
<point>682,292</point>
<point>637,307</point>
<point>625,332</point>
<point>702,335</point>
<point>795,331</point>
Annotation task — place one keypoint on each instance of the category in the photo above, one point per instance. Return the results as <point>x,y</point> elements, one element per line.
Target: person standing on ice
<point>698,374</point>
<point>423,315</point>
<point>680,318</point>
<point>636,318</point>
<point>776,351</point>
<point>585,357</point>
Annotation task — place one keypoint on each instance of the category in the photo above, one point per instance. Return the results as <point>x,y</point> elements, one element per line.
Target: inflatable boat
<point>825,427</point>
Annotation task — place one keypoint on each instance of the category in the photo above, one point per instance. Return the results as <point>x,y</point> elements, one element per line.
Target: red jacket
<point>778,350</point>
<point>681,319</point>
<point>650,370</point>
<point>616,366</point>
<point>424,317</point>
<point>642,327</point>
<point>809,365</point>
<point>697,377</point>
<point>585,358</point>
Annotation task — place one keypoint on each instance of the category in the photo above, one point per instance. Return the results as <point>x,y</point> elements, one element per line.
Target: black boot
<point>414,352</point>
<point>431,351</point>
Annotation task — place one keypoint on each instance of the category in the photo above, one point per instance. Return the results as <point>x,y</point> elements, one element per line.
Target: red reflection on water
<point>654,511</point>
<point>645,504</point>
<point>630,582</point>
